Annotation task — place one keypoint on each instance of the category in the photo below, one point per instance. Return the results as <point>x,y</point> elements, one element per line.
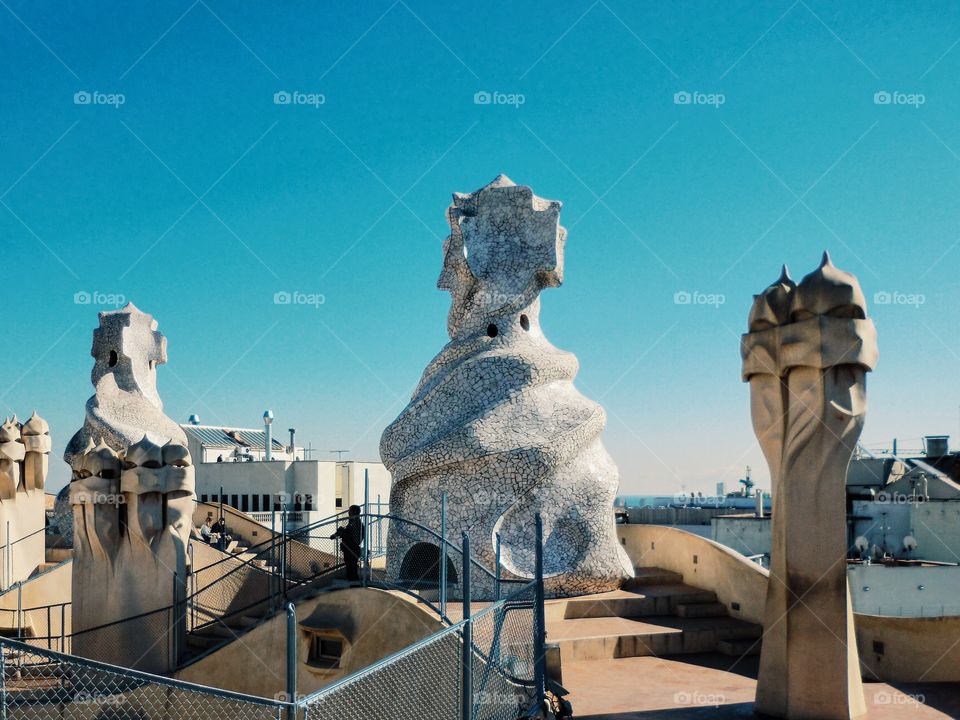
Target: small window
<point>325,652</point>
<point>265,503</point>
<point>203,498</point>
<point>339,502</point>
<point>245,503</point>
<point>308,503</point>
<point>236,501</point>
<point>256,503</point>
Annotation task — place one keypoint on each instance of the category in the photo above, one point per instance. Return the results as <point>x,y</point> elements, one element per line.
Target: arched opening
<point>421,567</point>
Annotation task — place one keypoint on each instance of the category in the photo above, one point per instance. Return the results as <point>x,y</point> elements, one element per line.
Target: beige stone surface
<point>24,463</point>
<point>380,623</point>
<point>132,496</point>
<point>806,356</point>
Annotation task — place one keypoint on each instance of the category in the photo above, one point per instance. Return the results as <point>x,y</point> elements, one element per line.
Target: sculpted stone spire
<point>496,422</point>
<point>127,348</point>
<point>806,356</point>
<point>132,497</point>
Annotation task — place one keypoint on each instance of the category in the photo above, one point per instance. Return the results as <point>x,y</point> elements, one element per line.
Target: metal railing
<point>39,684</point>
<point>488,666</point>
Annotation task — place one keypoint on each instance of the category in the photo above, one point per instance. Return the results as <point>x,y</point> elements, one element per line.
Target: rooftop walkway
<point>662,649</point>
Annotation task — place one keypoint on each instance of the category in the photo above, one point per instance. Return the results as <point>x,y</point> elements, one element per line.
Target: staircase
<point>653,614</point>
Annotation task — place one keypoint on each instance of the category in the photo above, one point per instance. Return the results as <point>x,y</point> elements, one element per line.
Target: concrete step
<point>739,648</point>
<point>202,642</point>
<point>613,637</point>
<point>651,601</point>
<point>643,576</point>
<point>701,610</point>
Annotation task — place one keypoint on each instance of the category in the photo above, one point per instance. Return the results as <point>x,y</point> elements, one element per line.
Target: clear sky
<point>178,182</point>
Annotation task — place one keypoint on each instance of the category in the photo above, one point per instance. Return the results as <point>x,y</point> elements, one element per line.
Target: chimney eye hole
<point>525,322</point>
<point>492,330</point>
<point>113,359</point>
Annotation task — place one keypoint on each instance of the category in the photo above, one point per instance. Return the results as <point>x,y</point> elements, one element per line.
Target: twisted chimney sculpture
<point>132,495</point>
<point>496,423</point>
<point>806,356</point>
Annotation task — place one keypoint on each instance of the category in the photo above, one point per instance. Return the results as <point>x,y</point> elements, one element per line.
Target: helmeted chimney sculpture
<point>24,462</point>
<point>496,423</point>
<point>132,495</point>
<point>806,356</point>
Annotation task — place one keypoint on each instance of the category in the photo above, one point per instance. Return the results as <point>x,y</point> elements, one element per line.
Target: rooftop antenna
<point>308,451</point>
<point>339,454</point>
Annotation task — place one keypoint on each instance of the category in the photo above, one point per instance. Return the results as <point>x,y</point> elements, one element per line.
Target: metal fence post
<point>379,527</point>
<point>291,661</point>
<point>467,683</point>
<point>497,577</point>
<point>174,626</point>
<point>3,682</point>
<point>19,611</point>
<point>539,631</point>
<point>273,558</point>
<point>365,555</point>
<point>283,548</point>
<point>443,555</point>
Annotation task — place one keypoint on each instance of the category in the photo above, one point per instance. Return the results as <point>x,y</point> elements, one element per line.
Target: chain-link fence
<point>503,663</point>
<point>43,685</point>
<point>422,681</point>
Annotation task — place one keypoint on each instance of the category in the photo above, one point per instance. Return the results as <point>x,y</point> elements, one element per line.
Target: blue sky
<point>199,198</point>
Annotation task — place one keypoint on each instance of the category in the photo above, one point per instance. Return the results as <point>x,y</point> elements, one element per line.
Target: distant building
<point>231,462</point>
<point>900,507</point>
<point>207,443</point>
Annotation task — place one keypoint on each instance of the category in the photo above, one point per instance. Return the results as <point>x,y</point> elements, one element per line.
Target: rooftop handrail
<point>139,674</point>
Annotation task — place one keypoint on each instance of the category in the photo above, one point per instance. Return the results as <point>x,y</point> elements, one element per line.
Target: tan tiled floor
<point>703,686</point>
